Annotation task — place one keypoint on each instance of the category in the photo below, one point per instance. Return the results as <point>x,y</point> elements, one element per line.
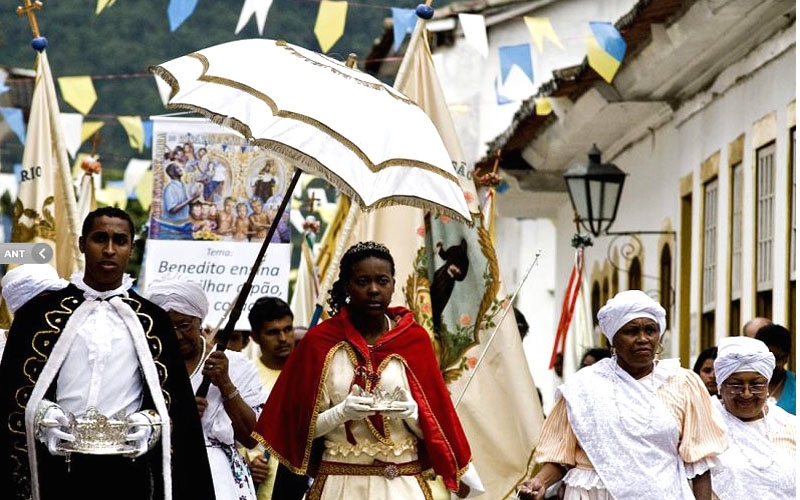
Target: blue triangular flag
<point>148,133</point>
<point>16,122</point>
<point>609,39</point>
<point>403,21</point>
<point>179,11</point>
<point>516,55</point>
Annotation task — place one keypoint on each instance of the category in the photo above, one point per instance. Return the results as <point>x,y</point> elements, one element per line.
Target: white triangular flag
<point>259,8</point>
<point>474,26</point>
<point>133,174</point>
<point>72,126</point>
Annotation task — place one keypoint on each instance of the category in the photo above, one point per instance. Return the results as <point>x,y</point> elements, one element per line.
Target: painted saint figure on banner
<point>213,238</point>
<point>216,187</point>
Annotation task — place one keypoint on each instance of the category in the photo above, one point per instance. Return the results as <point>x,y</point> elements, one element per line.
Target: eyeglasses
<point>183,326</point>
<point>755,389</point>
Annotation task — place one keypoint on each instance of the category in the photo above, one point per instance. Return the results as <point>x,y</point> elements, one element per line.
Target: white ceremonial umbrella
<point>331,120</point>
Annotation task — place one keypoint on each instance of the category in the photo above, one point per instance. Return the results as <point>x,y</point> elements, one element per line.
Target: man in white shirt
<point>93,348</point>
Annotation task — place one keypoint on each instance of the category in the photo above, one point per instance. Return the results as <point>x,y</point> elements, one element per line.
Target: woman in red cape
<point>361,405</point>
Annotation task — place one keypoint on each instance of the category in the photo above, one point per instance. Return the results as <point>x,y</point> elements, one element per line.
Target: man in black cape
<point>98,346</point>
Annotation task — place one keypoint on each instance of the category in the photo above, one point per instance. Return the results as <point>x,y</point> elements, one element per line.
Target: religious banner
<point>46,206</point>
<point>215,197</point>
<point>448,273</point>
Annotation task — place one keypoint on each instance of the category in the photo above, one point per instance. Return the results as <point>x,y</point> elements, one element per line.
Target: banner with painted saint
<point>215,197</point>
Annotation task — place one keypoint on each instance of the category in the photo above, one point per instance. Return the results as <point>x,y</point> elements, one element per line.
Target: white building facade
<point>701,116</point>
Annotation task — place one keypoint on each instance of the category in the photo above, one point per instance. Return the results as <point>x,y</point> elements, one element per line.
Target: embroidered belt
<point>388,470</point>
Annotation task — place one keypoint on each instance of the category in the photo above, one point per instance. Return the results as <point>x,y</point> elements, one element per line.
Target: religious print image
<point>210,184</point>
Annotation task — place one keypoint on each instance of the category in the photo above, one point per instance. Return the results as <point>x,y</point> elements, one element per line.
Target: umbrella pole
<point>238,306</point>
<point>347,228</point>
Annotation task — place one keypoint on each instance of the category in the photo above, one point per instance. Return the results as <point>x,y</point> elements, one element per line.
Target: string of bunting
<point>605,51</point>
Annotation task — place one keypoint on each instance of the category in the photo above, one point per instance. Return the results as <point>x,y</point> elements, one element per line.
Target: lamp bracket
<point>631,248</point>
<point>637,233</point>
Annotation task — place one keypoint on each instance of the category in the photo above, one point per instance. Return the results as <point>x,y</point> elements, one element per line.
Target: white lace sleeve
<point>703,465</point>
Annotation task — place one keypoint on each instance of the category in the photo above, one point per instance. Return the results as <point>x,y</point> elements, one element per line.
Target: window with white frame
<point>765,228</point>
<point>710,191</point>
<point>765,216</point>
<point>736,230</point>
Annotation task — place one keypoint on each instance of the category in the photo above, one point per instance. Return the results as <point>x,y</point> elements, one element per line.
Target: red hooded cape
<point>287,422</point>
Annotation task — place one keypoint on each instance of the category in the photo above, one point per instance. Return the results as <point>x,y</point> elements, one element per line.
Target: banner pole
<point>497,327</point>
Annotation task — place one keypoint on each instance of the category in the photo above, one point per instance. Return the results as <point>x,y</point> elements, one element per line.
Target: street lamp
<point>595,189</point>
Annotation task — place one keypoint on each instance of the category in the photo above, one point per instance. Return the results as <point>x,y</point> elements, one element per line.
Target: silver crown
<point>384,400</point>
<point>96,433</point>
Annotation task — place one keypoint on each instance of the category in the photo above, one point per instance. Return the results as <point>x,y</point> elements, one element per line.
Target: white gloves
<point>354,407</point>
<point>144,431</point>
<point>410,408</point>
<point>52,424</point>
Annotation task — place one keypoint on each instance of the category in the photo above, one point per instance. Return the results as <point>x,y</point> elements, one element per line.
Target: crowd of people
<point>104,389</point>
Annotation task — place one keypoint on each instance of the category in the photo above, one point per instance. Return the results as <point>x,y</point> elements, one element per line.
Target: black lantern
<point>595,190</point>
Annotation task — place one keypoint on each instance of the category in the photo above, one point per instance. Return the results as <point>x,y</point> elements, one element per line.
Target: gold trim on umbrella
<point>243,129</point>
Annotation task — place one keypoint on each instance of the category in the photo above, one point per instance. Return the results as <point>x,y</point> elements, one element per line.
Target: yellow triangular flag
<point>600,61</point>
<point>102,4</point>
<point>78,92</point>
<point>133,126</point>
<point>543,106</point>
<point>88,129</point>
<point>540,29</point>
<point>330,23</point>
<point>144,189</point>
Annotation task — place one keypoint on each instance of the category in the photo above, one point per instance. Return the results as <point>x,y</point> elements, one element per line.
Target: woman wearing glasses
<point>630,426</point>
<point>229,411</point>
<point>760,461</point>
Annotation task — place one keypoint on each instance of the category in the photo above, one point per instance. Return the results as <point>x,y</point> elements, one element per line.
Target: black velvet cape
<point>30,341</point>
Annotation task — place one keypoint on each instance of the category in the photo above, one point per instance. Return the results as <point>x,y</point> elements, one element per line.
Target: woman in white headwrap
<point>760,461</point>
<point>630,427</point>
<point>229,411</point>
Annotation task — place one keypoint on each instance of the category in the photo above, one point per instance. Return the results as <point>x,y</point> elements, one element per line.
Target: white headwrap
<point>742,354</point>
<point>27,281</point>
<point>627,306</point>
<point>185,297</point>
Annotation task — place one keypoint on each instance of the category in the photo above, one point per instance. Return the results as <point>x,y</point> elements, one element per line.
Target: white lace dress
<point>232,479</point>
<point>760,461</point>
